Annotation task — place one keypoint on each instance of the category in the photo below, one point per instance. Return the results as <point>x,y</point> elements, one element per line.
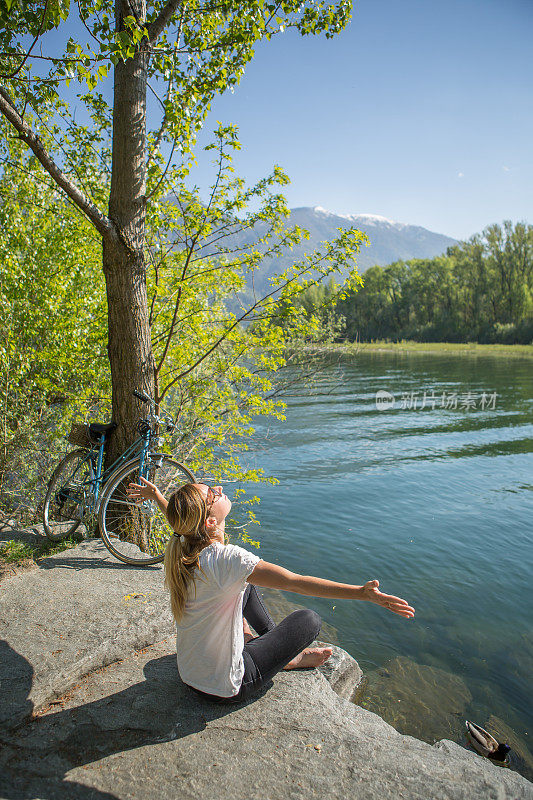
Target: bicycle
<point>80,488</point>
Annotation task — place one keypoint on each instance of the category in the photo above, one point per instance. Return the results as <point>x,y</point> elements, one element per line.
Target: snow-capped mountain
<point>369,218</point>
<point>389,240</point>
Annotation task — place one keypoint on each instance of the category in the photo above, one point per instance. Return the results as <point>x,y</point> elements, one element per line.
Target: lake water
<point>435,502</point>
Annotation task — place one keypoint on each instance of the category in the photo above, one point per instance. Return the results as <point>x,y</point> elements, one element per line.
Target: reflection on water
<point>432,704</point>
<point>418,700</point>
<point>434,502</point>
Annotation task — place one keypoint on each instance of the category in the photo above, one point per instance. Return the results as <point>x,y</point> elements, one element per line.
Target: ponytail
<point>186,513</point>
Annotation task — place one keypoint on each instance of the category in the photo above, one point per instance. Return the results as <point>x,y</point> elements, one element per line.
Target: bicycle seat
<point>101,428</point>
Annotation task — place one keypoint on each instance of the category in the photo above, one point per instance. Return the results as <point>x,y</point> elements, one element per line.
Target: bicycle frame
<point>139,448</point>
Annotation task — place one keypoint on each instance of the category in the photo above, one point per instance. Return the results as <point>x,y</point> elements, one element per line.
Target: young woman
<point>213,598</point>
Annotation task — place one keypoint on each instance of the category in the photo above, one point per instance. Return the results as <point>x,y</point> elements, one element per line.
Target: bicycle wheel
<point>67,494</point>
<point>137,533</point>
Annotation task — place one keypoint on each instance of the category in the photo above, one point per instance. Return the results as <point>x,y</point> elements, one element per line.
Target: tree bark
<point>129,345</point>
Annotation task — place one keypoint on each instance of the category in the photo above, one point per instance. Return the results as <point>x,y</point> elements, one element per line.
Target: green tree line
<point>481,290</point>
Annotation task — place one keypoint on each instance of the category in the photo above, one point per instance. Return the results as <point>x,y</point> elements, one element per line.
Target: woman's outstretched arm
<point>271,576</point>
<point>147,491</point>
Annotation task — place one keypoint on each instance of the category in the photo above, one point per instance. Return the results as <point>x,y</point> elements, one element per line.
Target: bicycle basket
<point>80,435</point>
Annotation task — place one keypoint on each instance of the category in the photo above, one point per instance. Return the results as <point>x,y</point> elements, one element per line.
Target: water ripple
<point>436,503</point>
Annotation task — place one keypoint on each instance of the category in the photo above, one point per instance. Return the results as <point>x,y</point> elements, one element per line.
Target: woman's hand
<point>148,491</point>
<point>396,604</point>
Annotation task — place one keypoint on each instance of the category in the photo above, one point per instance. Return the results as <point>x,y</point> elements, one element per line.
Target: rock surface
<point>82,609</point>
<point>129,728</point>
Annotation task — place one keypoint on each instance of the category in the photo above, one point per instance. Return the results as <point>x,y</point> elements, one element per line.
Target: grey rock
<point>80,610</point>
<point>134,730</point>
<point>80,532</point>
<point>112,719</point>
<point>9,534</point>
<point>341,671</point>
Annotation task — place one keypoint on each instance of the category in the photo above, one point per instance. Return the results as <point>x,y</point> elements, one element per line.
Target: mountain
<point>389,241</point>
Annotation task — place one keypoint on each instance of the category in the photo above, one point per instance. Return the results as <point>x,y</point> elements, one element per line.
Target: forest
<point>481,290</point>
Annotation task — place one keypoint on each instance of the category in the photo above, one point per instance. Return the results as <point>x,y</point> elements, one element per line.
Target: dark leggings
<point>274,646</point>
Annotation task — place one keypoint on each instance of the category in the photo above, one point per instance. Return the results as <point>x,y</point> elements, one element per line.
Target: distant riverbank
<point>440,348</point>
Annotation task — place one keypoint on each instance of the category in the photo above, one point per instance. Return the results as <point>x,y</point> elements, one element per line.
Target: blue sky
<point>419,111</point>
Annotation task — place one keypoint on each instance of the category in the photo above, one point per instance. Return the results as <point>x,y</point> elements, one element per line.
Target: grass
<point>15,552</point>
<point>445,348</point>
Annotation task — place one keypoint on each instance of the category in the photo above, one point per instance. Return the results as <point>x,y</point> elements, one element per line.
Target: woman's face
<point>218,504</point>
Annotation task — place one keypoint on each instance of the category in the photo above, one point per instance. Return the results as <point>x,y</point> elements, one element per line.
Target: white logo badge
<point>384,400</point>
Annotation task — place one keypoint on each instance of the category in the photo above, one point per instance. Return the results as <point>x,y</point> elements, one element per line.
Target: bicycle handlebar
<point>141,396</point>
<point>164,418</point>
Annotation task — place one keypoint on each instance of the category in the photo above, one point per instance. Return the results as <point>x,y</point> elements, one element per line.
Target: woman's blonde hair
<point>187,514</point>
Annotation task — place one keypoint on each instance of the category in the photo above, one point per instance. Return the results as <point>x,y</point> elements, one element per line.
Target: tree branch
<point>162,20</point>
<point>89,31</point>
<point>187,263</point>
<point>102,223</point>
<point>165,104</point>
<point>162,178</point>
<point>17,70</point>
<point>263,302</point>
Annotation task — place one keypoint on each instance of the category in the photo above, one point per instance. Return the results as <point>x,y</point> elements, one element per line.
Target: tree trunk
<point>129,345</point>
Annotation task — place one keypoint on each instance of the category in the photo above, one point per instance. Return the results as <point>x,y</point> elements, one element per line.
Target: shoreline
<point>423,348</point>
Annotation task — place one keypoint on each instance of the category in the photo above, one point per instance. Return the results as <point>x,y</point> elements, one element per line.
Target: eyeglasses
<point>213,495</point>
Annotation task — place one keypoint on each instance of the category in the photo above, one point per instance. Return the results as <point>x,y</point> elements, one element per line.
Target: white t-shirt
<point>210,636</point>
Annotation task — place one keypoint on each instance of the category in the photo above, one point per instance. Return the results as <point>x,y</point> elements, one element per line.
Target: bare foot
<point>310,657</point>
<point>248,635</point>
